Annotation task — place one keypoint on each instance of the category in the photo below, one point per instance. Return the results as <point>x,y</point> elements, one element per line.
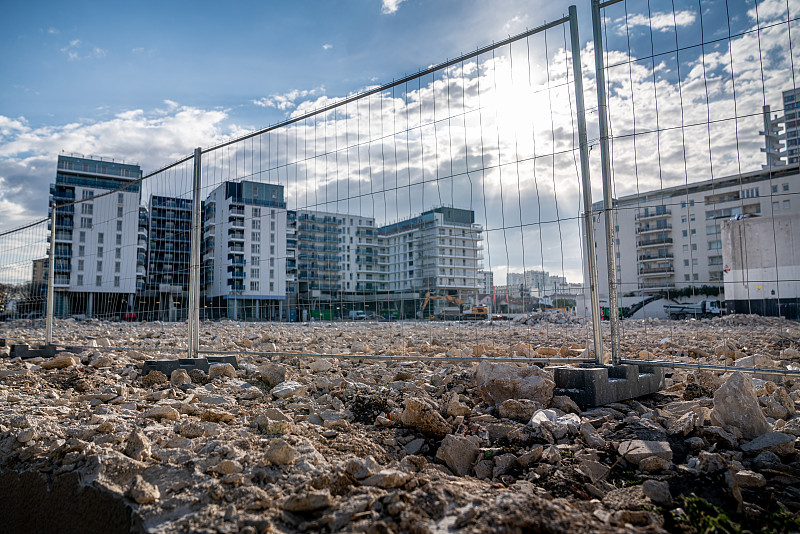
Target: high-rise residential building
<point>782,132</point>
<point>671,238</point>
<point>438,252</point>
<point>486,281</point>
<point>169,225</point>
<point>244,251</point>
<point>95,249</point>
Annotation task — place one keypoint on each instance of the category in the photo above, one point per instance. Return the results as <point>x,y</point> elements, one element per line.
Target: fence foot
<point>45,351</point>
<point>187,364</point>
<point>596,385</point>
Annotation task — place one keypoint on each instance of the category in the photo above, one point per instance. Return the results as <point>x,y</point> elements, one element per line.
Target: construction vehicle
<point>452,312</point>
<point>704,308</point>
<point>476,313</point>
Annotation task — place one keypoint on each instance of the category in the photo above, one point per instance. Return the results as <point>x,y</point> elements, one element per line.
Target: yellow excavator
<point>475,313</point>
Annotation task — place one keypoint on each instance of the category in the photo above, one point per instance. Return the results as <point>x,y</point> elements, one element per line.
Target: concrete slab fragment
<point>596,385</point>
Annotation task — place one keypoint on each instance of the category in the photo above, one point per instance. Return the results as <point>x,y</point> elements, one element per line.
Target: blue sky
<point>68,61</point>
<point>147,82</point>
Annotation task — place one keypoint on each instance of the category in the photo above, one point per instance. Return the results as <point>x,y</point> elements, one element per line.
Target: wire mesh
<point>24,271</point>
<point>704,164</point>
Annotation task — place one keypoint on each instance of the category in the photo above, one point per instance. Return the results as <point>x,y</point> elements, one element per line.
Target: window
<point>87,209</point>
<point>253,286</point>
<point>694,261</point>
<point>116,267</point>
<point>776,206</point>
<point>118,253</point>
<point>691,203</point>
<point>785,187</point>
<point>683,220</point>
<point>715,260</point>
<point>712,229</point>
<point>80,279</point>
<point>272,286</point>
<point>80,265</point>
<point>119,226</point>
<point>750,193</point>
<point>786,204</point>
<point>272,236</point>
<point>255,248</point>
<point>82,238</point>
<point>686,277</point>
<point>255,273</point>
<point>272,226</point>
<point>715,245</point>
<point>255,260</point>
<point>774,188</point>
<point>272,249</point>
<point>99,265</point>
<point>119,240</point>
<point>256,212</point>
<point>694,246</point>
<point>87,194</point>
<point>98,281</point>
<point>120,198</point>
<point>100,237</point>
<point>695,277</point>
<point>685,233</point>
<point>271,214</point>
<point>683,204</point>
<point>116,281</point>
<point>255,236</point>
<point>272,261</point>
<point>685,263</point>
<point>686,248</point>
<point>81,250</point>
<point>272,273</point>
<point>100,252</point>
<point>119,211</point>
<point>86,222</point>
<point>256,224</point>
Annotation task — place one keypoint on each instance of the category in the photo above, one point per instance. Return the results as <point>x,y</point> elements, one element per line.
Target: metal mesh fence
<point>702,161</point>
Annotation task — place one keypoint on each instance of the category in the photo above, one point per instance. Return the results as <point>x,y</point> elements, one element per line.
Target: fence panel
<point>703,163</point>
<point>23,282</point>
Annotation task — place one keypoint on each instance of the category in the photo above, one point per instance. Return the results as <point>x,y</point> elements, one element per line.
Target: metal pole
<point>194,261</point>
<point>605,160</point>
<point>51,270</point>
<point>587,185</point>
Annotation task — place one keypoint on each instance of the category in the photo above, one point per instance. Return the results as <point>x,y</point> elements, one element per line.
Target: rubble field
<point>297,443</point>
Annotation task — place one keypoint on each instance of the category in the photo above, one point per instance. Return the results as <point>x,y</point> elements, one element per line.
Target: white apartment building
<point>95,240</point>
<point>439,251</point>
<point>671,238</point>
<point>782,132</point>
<point>243,271</point>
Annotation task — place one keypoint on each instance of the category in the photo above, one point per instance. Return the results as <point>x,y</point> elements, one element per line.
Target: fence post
<point>605,161</point>
<point>194,261</point>
<point>51,269</point>
<point>586,183</point>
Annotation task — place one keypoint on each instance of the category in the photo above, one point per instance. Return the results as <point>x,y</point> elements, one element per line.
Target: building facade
<point>95,251</point>
<point>671,238</point>
<point>243,269</point>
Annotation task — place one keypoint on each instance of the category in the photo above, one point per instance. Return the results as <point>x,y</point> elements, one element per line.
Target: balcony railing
<point>648,230</point>
<point>653,214</point>
<point>654,242</point>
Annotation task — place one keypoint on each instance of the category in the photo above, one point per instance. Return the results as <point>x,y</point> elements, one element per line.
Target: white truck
<point>357,315</point>
<point>698,310</point>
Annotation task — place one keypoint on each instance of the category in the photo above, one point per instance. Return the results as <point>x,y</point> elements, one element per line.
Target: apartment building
<point>671,238</point>
<point>782,132</point>
<point>536,283</point>
<point>95,253</point>
<point>439,251</point>
<point>243,271</point>
<point>168,225</point>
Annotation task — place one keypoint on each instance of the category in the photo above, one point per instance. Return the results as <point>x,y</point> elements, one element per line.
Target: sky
<point>147,82</point>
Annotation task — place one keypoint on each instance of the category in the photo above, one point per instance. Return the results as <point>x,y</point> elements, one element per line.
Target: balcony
<point>236,260</point>
<point>235,236</point>
<point>236,275</point>
<point>654,242</point>
<point>236,248</point>
<point>236,210</point>
<point>650,230</point>
<point>235,222</point>
<point>61,281</point>
<point>235,287</point>
<point>648,214</point>
<point>657,271</point>
<point>646,258</point>
<point>656,285</point>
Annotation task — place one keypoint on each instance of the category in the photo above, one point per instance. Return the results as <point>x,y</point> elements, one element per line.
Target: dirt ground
<point>297,443</point>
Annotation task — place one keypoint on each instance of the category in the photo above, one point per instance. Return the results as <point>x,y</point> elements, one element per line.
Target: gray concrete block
<point>187,364</point>
<point>596,385</point>
<point>45,351</point>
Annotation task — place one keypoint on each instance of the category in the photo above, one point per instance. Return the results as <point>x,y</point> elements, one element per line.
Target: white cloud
<point>660,22</point>
<point>152,138</point>
<point>327,46</point>
<point>137,50</point>
<point>52,31</point>
<point>287,101</point>
<point>75,50</point>
<point>390,6</point>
